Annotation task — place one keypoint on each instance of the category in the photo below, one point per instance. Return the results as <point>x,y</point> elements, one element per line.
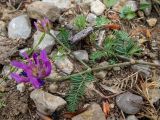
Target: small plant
<point>110,3</point>
<point>117,44</point>
<point>78,85</point>
<point>100,21</point>
<point>144,5</point>
<point>127,13</point>
<point>80,22</point>
<point>63,36</point>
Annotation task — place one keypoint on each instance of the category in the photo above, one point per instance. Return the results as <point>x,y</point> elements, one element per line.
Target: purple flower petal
<point>19,78</point>
<point>36,26</point>
<point>43,55</point>
<point>35,57</point>
<point>19,64</point>
<point>48,68</point>
<point>35,82</point>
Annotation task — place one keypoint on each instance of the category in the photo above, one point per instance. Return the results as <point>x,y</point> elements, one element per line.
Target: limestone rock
<point>81,54</point>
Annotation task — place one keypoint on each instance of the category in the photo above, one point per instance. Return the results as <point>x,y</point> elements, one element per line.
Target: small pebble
<point>152,22</point>
<point>53,88</point>
<point>21,87</point>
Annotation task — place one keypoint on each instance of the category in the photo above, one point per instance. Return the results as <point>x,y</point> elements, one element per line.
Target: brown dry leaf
<point>113,26</point>
<point>106,108</point>
<point>43,117</point>
<point>69,115</point>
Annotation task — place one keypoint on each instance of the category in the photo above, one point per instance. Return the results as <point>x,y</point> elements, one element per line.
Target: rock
<point>47,43</point>
<point>81,35</point>
<point>91,18</point>
<point>129,103</point>
<point>131,117</point>
<point>53,88</point>
<point>6,71</point>
<point>119,5</point>
<point>97,7</point>
<point>61,4</point>
<point>3,85</point>
<point>21,87</point>
<point>3,29</point>
<point>116,68</point>
<point>94,112</point>
<point>101,75</point>
<point>23,50</point>
<point>46,103</point>
<point>81,54</point>
<point>152,22</point>
<point>19,27</point>
<point>147,11</point>
<point>36,10</point>
<point>143,70</point>
<point>64,64</point>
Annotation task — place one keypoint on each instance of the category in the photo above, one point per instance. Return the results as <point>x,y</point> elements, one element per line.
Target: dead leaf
<point>69,115</point>
<point>106,108</point>
<point>43,117</point>
<point>113,26</point>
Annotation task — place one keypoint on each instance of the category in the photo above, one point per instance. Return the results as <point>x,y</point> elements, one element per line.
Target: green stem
<point>102,68</point>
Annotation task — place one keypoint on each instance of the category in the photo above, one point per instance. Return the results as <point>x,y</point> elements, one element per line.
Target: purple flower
<point>34,70</point>
<point>43,25</point>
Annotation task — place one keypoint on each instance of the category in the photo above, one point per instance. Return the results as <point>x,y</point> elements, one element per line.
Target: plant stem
<point>68,50</point>
<point>61,79</point>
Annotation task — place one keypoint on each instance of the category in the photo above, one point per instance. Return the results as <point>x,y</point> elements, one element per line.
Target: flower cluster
<point>34,70</point>
<point>43,25</point>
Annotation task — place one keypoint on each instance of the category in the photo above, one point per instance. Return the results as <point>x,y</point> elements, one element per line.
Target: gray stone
<point>81,54</point>
<point>97,7</point>
<point>132,4</point>
<point>3,29</point>
<point>129,103</point>
<point>143,70</point>
<point>61,4</point>
<point>64,64</point>
<point>19,27</point>
<point>131,117</point>
<point>23,50</point>
<point>47,103</point>
<point>91,18</point>
<point>47,43</point>
<point>36,10</point>
<point>21,87</point>
<point>94,112</point>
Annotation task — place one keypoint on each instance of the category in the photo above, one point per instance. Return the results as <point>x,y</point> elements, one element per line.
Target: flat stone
<point>47,103</point>
<point>19,27</point>
<point>64,64</point>
<point>97,7</point>
<point>47,43</point>
<point>81,54</point>
<point>129,103</point>
<point>61,4</point>
<point>131,117</point>
<point>94,112</point>
<point>143,70</point>
<point>36,10</point>
<point>152,22</point>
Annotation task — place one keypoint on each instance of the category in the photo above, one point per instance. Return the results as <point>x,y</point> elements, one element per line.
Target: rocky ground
<point>123,91</point>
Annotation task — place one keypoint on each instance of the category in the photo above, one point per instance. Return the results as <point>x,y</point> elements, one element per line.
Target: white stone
<point>19,27</point>
<point>131,117</point>
<point>46,103</point>
<point>152,22</point>
<point>53,88</point>
<point>21,87</point>
<point>64,64</point>
<point>91,18</point>
<point>97,7</point>
<point>81,55</point>
<point>47,43</point>
<point>61,4</point>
